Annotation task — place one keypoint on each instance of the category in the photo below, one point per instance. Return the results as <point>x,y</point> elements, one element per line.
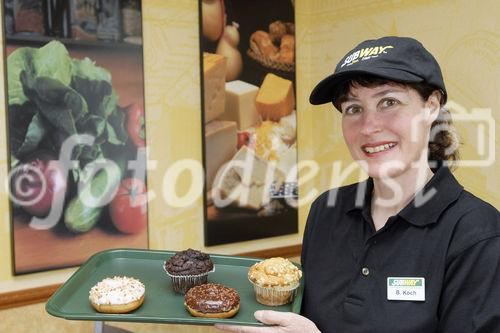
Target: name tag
<point>406,289</point>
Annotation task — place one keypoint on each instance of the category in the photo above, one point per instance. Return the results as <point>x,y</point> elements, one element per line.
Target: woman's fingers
<point>270,317</point>
<point>281,322</point>
<point>286,322</point>
<point>241,329</point>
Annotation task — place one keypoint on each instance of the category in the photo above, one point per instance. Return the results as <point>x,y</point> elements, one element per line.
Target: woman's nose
<point>370,122</point>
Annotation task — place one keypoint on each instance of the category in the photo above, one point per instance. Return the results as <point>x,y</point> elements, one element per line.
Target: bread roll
<point>287,49</point>
<point>261,43</point>
<point>277,29</point>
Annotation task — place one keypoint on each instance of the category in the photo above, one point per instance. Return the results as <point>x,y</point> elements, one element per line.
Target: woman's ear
<point>433,105</point>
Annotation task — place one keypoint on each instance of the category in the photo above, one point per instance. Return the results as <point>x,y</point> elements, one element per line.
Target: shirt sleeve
<point>305,237</point>
<point>471,292</point>
<point>311,220</point>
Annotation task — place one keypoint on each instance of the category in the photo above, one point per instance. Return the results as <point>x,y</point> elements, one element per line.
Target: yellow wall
<point>462,35</point>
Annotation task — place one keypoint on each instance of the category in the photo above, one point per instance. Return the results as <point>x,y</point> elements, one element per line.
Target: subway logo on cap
<point>365,54</point>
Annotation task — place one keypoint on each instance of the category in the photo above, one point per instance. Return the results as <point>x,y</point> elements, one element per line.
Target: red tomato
<point>40,171</point>
<point>128,209</point>
<point>136,124</point>
<point>243,138</point>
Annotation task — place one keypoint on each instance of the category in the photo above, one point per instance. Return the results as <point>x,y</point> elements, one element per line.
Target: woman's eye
<point>388,102</point>
<point>352,109</point>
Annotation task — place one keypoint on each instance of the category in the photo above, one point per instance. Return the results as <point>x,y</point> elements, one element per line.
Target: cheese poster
<point>249,119</point>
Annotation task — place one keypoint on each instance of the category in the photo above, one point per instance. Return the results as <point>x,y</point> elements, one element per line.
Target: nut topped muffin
<point>275,272</point>
<point>188,268</point>
<point>275,281</point>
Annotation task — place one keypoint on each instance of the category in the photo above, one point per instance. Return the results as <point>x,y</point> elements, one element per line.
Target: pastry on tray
<point>188,268</point>
<point>212,300</point>
<point>119,294</point>
<point>275,281</point>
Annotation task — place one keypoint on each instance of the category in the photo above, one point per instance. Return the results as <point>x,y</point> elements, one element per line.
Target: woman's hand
<point>285,322</point>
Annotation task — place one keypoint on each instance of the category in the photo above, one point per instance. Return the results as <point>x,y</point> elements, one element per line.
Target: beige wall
<point>463,35</point>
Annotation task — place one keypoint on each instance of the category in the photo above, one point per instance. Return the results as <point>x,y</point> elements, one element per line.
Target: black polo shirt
<point>452,241</point>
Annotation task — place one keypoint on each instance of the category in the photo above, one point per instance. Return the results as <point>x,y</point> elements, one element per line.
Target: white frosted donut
<point>119,294</point>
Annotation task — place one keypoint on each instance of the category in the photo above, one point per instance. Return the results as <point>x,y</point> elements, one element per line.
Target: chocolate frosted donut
<point>189,262</point>
<point>212,301</point>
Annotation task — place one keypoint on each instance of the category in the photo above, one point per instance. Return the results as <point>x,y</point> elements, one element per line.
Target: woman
<point>408,250</point>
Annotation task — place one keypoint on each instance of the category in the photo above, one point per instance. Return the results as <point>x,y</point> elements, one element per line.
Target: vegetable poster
<point>76,147</point>
<point>249,119</point>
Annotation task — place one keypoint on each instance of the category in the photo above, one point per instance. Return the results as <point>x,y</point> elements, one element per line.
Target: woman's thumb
<point>270,317</point>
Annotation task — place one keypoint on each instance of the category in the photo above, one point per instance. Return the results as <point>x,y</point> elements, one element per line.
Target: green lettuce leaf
<point>108,105</point>
<point>117,134</point>
<point>86,69</point>
<point>52,60</point>
<point>18,61</point>
<point>20,117</point>
<point>95,126</point>
<point>52,96</point>
<point>59,104</point>
<point>96,94</point>
<point>34,135</point>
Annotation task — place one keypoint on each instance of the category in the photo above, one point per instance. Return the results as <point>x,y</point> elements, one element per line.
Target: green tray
<point>161,304</point>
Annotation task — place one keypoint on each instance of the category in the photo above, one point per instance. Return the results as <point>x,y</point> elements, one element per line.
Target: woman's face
<point>386,128</point>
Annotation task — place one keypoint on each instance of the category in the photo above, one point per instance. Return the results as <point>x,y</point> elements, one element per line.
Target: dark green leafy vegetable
<point>52,96</point>
<point>52,61</point>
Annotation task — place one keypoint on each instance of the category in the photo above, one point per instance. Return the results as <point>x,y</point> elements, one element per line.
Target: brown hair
<point>443,139</point>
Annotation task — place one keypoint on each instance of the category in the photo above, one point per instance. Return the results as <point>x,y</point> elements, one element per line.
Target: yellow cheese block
<point>275,98</point>
<point>214,77</point>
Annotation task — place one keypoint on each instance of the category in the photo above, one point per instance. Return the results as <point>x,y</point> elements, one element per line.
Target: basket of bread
<point>275,48</point>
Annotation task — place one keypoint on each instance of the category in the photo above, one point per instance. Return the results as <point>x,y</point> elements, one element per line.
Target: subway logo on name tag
<point>406,289</point>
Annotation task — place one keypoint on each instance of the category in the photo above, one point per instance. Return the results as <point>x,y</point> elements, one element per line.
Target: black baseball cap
<point>401,59</point>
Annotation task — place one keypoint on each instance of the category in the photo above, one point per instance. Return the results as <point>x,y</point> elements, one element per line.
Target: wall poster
<point>76,136</point>
<point>247,51</point>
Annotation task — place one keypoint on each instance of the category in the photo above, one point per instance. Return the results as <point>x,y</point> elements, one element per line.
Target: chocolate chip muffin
<point>188,268</point>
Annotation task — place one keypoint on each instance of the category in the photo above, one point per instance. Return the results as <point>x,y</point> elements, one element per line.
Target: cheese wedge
<point>214,77</point>
<point>240,104</point>
<point>246,180</point>
<point>275,98</point>
<point>220,146</point>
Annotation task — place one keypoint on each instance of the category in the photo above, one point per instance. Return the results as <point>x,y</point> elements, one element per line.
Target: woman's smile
<point>376,149</point>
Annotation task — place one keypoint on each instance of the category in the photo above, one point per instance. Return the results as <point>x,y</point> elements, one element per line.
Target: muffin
<point>275,281</point>
<point>188,268</point>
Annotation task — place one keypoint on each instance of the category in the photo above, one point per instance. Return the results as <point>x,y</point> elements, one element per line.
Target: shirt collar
<point>444,188</point>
